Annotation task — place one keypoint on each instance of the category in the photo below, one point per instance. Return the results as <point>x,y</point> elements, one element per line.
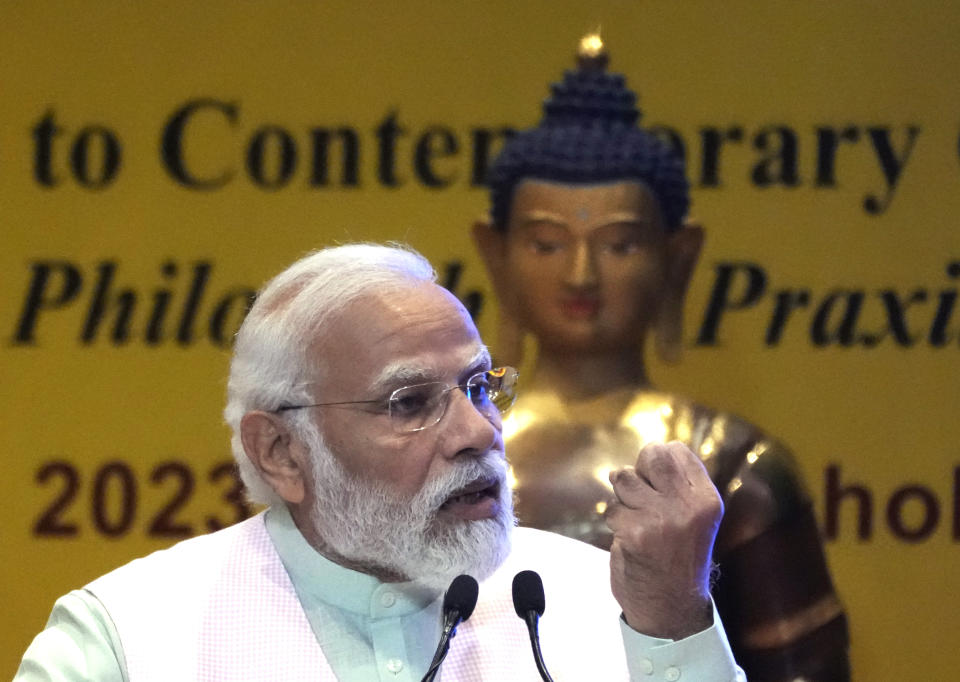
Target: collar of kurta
<point>317,578</point>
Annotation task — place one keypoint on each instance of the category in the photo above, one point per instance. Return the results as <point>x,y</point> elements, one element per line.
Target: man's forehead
<point>407,335</point>
<point>388,311</point>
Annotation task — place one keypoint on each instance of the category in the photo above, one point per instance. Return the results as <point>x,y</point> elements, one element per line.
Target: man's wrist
<point>672,622</point>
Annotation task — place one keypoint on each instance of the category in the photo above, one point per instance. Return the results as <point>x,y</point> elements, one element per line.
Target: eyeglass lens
<point>413,408</point>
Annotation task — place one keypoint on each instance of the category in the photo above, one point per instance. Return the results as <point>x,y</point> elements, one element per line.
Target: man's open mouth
<point>475,492</point>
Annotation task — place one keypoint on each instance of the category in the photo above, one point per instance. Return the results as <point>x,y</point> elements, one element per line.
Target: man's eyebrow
<point>402,373</point>
<point>480,361</point>
<point>396,375</point>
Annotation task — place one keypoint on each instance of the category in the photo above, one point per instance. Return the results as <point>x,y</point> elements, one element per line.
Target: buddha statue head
<point>585,243</point>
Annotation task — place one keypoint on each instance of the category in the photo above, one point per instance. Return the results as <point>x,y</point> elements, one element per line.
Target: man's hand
<point>664,523</point>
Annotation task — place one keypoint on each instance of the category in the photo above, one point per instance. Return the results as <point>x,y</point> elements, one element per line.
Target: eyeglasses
<point>418,407</point>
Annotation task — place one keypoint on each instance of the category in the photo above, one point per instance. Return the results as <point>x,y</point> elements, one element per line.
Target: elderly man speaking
<point>366,414</point>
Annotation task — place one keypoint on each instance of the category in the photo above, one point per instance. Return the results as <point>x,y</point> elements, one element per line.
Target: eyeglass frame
<point>443,396</point>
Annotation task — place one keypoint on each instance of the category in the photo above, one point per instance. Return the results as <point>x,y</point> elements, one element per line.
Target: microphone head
<point>528,593</point>
<point>462,596</point>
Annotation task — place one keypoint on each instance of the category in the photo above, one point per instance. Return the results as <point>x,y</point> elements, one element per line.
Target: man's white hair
<point>271,363</point>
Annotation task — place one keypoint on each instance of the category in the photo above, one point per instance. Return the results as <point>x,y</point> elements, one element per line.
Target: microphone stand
<point>529,603</point>
<point>451,619</point>
<point>532,618</point>
<point>458,605</point>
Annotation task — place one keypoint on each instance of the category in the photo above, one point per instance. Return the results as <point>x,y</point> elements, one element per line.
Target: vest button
<point>395,665</point>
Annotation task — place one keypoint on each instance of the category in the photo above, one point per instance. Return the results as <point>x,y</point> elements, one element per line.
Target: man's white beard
<point>367,524</point>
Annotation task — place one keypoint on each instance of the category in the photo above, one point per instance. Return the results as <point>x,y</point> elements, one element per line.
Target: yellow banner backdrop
<point>159,160</point>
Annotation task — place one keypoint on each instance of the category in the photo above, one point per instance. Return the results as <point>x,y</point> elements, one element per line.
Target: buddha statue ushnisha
<point>588,251</point>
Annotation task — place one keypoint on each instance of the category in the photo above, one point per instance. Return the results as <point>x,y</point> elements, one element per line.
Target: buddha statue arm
<point>774,590</point>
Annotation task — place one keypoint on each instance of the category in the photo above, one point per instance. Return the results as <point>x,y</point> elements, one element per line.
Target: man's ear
<point>683,252</point>
<point>268,443</point>
<point>492,245</point>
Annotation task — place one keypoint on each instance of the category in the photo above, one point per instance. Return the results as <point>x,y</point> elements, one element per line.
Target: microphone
<point>528,600</point>
<point>458,605</point>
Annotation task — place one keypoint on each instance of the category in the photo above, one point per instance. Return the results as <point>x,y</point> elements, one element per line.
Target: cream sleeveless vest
<point>221,607</point>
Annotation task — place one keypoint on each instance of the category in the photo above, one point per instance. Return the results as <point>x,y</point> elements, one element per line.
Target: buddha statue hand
<point>664,522</point>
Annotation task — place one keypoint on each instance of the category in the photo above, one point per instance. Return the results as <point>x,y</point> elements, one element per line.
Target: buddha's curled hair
<point>589,135</point>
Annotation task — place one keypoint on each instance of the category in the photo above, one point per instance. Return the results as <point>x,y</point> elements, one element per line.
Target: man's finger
<point>660,464</point>
<point>630,488</point>
<point>696,471</point>
<point>627,521</point>
<point>672,468</point>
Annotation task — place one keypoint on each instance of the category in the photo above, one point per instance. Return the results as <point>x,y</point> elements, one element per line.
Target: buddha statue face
<point>590,268</point>
<point>586,263</point>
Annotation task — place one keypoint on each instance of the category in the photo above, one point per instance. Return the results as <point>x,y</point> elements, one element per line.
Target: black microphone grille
<point>462,596</point>
<point>528,593</point>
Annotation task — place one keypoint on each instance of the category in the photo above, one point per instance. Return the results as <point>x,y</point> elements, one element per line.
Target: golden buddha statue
<point>587,251</point>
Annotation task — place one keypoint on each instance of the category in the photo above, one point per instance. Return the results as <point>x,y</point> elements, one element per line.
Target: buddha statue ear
<point>492,245</point>
<point>683,251</point>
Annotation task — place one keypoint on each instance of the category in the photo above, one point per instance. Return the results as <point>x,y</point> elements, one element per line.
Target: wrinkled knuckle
<point>634,538</point>
<point>662,461</point>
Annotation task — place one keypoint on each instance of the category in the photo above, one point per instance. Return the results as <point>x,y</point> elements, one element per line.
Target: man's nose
<point>581,269</point>
<point>467,428</point>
